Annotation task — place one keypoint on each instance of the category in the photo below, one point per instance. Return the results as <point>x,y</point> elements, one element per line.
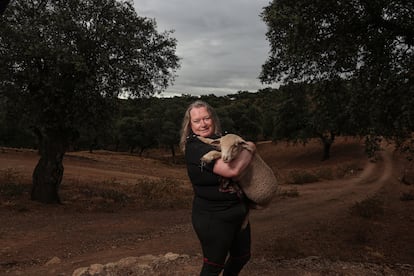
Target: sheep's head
<point>230,145</point>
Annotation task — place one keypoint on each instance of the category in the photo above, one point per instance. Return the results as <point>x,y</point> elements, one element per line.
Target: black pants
<point>225,245</point>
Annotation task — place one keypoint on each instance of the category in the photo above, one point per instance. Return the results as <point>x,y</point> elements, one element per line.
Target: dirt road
<point>313,230</point>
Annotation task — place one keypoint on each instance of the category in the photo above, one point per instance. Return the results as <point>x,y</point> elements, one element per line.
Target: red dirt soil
<point>309,229</point>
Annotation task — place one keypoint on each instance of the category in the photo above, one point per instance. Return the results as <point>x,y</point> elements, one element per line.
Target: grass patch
<point>371,207</point>
<point>11,183</point>
<point>110,196</point>
<point>348,169</point>
<point>301,177</point>
<point>363,232</point>
<point>407,196</point>
<point>289,193</point>
<point>284,248</point>
<point>106,191</point>
<point>324,173</point>
<point>162,193</point>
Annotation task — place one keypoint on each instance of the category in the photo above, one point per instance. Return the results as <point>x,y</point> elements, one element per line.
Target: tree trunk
<point>326,151</point>
<point>47,176</point>
<point>327,141</point>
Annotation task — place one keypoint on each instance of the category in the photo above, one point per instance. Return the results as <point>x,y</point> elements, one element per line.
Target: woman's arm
<point>235,168</point>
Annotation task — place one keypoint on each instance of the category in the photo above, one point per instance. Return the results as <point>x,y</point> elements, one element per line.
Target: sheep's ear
<point>241,143</point>
<point>246,146</point>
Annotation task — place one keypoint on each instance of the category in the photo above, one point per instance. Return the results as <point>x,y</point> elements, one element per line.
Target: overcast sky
<point>221,43</point>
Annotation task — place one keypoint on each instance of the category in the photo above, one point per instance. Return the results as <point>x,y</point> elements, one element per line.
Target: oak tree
<point>367,43</point>
<point>66,62</point>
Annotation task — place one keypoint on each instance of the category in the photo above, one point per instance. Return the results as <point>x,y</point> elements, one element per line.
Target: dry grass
<point>370,208</point>
<point>11,184</point>
<point>112,196</point>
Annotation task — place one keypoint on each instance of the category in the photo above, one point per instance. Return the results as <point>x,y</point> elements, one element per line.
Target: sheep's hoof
<point>206,159</point>
<point>210,156</point>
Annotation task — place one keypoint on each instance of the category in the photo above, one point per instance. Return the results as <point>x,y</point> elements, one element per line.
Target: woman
<point>218,210</point>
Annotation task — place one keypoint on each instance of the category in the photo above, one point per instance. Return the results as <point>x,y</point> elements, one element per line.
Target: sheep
<point>258,181</point>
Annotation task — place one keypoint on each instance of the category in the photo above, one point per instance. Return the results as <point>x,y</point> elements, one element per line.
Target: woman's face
<point>201,122</point>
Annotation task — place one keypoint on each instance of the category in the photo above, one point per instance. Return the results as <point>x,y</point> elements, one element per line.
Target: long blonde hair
<point>186,124</point>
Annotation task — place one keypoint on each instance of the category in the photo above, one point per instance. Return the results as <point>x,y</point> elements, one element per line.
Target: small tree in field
<point>66,62</point>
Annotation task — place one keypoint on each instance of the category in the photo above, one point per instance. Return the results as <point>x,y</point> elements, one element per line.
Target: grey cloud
<point>222,43</point>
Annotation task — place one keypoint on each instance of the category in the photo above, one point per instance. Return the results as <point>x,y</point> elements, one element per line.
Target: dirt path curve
<point>319,201</point>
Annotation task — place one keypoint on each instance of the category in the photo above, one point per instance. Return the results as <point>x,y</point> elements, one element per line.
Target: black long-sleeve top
<point>206,183</point>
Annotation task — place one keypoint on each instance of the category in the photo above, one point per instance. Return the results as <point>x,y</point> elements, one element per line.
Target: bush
<point>11,184</point>
<point>406,196</point>
<point>324,173</point>
<point>301,177</point>
<point>372,207</point>
<point>289,193</point>
<point>284,247</point>
<point>347,170</point>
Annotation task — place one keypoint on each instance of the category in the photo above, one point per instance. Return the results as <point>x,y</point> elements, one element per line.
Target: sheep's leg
<point>210,156</point>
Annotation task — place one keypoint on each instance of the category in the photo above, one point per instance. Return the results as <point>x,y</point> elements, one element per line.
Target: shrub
<point>284,247</point>
<point>11,184</point>
<point>347,169</point>
<point>289,193</point>
<point>301,177</point>
<point>406,196</point>
<point>324,173</point>
<point>372,207</point>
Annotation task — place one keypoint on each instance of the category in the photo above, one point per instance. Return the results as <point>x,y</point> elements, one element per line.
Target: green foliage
<point>129,131</point>
<point>291,115</point>
<point>319,111</point>
<point>64,64</point>
<point>66,61</point>
<point>245,118</point>
<point>368,44</point>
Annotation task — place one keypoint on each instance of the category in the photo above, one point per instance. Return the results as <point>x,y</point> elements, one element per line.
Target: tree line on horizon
<point>288,113</point>
<point>345,68</point>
